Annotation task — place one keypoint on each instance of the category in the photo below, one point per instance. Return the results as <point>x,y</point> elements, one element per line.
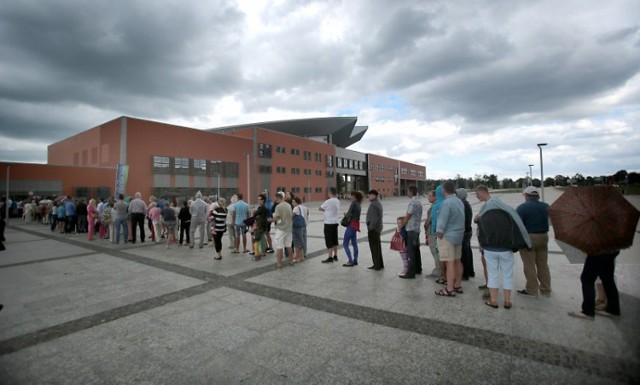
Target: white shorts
<point>283,239</point>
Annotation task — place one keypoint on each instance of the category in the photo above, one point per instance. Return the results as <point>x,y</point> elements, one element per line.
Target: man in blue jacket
<point>535,217</point>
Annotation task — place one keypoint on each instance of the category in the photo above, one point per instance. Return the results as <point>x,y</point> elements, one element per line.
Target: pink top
<point>92,212</point>
<point>154,214</point>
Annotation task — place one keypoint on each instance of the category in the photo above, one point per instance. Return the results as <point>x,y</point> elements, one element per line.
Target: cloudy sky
<point>463,87</point>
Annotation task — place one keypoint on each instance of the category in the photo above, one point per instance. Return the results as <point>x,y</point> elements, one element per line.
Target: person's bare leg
<point>237,244</point>
<point>459,269</point>
<point>244,241</point>
<point>507,296</point>
<point>484,270</point>
<point>279,258</point>
<point>451,275</point>
<point>494,295</point>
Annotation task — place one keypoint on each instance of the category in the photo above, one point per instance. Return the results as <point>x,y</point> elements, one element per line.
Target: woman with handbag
<point>352,221</point>
<point>299,232</point>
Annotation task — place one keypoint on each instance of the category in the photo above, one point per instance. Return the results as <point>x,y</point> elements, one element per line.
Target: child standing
<point>399,242</point>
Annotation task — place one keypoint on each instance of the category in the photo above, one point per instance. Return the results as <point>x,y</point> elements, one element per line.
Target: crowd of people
<point>501,231</point>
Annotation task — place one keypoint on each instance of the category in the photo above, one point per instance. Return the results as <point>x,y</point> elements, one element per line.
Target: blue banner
<point>122,174</point>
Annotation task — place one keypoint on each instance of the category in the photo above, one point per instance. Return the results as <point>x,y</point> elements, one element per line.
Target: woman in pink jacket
<point>92,217</point>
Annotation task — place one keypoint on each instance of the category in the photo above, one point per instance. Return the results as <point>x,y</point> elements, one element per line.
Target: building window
<point>264,150</point>
<point>330,173</point>
<point>281,150</point>
<point>281,188</point>
<point>295,151</point>
<point>318,172</point>
<point>295,171</point>
<point>200,165</point>
<point>265,169</point>
<point>318,189</point>
<point>281,170</point>
<point>339,162</point>
<point>295,190</point>
<point>307,155</point>
<point>181,164</point>
<point>329,160</point>
<point>318,157</point>
<point>307,171</point>
<point>161,162</point>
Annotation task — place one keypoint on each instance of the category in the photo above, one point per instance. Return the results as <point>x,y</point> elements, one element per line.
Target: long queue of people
<point>501,231</point>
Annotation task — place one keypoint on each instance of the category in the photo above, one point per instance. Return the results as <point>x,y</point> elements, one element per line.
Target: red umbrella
<point>594,219</point>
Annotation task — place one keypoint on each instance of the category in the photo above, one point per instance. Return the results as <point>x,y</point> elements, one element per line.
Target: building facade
<point>305,156</point>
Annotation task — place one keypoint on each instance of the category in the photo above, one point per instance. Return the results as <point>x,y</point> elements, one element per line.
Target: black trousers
<point>137,221</point>
<point>217,240</point>
<point>602,266</point>
<point>413,253</point>
<point>376,249</point>
<point>467,256</point>
<point>185,226</point>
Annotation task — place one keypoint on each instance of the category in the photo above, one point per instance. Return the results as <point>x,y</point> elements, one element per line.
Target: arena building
<point>305,156</point>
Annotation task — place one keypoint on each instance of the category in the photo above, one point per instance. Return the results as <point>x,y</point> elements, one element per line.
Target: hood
<point>439,194</point>
<point>461,193</point>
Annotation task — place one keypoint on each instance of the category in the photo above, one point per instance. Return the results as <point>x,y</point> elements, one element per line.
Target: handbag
<point>397,243</point>
<point>298,221</point>
<point>345,221</point>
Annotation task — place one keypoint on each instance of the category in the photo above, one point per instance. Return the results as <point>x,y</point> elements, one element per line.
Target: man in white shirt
<point>330,209</point>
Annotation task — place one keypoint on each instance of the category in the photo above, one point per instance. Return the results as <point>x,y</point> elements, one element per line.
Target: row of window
<point>264,151</point>
<point>294,171</point>
<point>350,164</point>
<point>388,179</point>
<point>305,190</point>
<point>187,166</point>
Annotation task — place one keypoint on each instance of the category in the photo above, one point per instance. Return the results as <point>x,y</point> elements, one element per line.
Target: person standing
<point>330,209</point>
<point>450,230</point>
<point>500,233</point>
<point>411,222</point>
<point>71,220</point>
<point>240,214</point>
<point>431,235</point>
<point>535,216</point>
<point>231,227</point>
<point>169,222</point>
<point>351,232</point>
<point>92,218</point>
<point>81,213</point>
<point>283,221</point>
<point>138,211</point>
<point>374,229</point>
<point>198,211</point>
<point>299,229</point>
<point>120,219</point>
<point>467,253</point>
<point>185,222</point>
<point>261,218</point>
<point>602,266</point>
<point>155,214</point>
<point>219,225</point>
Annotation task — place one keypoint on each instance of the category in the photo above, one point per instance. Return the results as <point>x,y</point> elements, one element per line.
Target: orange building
<point>305,156</point>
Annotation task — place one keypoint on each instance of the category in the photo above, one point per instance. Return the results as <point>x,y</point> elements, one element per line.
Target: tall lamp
<point>540,145</point>
<point>530,175</point>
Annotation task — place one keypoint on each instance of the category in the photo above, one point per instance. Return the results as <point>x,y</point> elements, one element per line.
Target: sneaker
<point>328,260</point>
<point>526,293</point>
<point>269,250</point>
<point>335,258</point>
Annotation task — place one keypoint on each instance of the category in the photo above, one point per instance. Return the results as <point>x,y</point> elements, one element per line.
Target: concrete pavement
<point>80,312</point>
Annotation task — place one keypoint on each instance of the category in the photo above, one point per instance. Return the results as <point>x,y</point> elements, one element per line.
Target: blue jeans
<point>125,229</point>
<point>350,236</point>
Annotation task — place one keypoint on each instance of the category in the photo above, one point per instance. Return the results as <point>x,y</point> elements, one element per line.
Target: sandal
<point>442,281</point>
<point>445,292</point>
<point>492,304</point>
<point>482,287</point>
<point>458,290</point>
<point>218,258</point>
<point>507,305</point>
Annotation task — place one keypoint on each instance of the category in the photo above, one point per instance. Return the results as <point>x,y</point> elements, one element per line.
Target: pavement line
<point>593,364</point>
<point>46,260</point>
<point>24,341</point>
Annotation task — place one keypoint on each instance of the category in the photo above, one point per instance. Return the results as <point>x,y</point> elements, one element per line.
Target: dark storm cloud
<point>124,56</point>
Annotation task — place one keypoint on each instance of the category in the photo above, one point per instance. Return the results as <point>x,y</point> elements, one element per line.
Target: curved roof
<point>341,131</point>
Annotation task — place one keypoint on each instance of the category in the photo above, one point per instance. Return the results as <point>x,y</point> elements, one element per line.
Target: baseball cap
<point>531,190</point>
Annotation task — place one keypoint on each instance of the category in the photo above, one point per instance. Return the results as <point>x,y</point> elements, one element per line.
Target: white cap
<point>531,190</point>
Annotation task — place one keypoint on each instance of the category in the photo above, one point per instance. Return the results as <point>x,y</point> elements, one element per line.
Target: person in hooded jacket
<point>501,233</point>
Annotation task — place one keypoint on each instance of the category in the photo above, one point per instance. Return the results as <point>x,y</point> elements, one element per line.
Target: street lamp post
<point>530,175</point>
<point>540,145</point>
